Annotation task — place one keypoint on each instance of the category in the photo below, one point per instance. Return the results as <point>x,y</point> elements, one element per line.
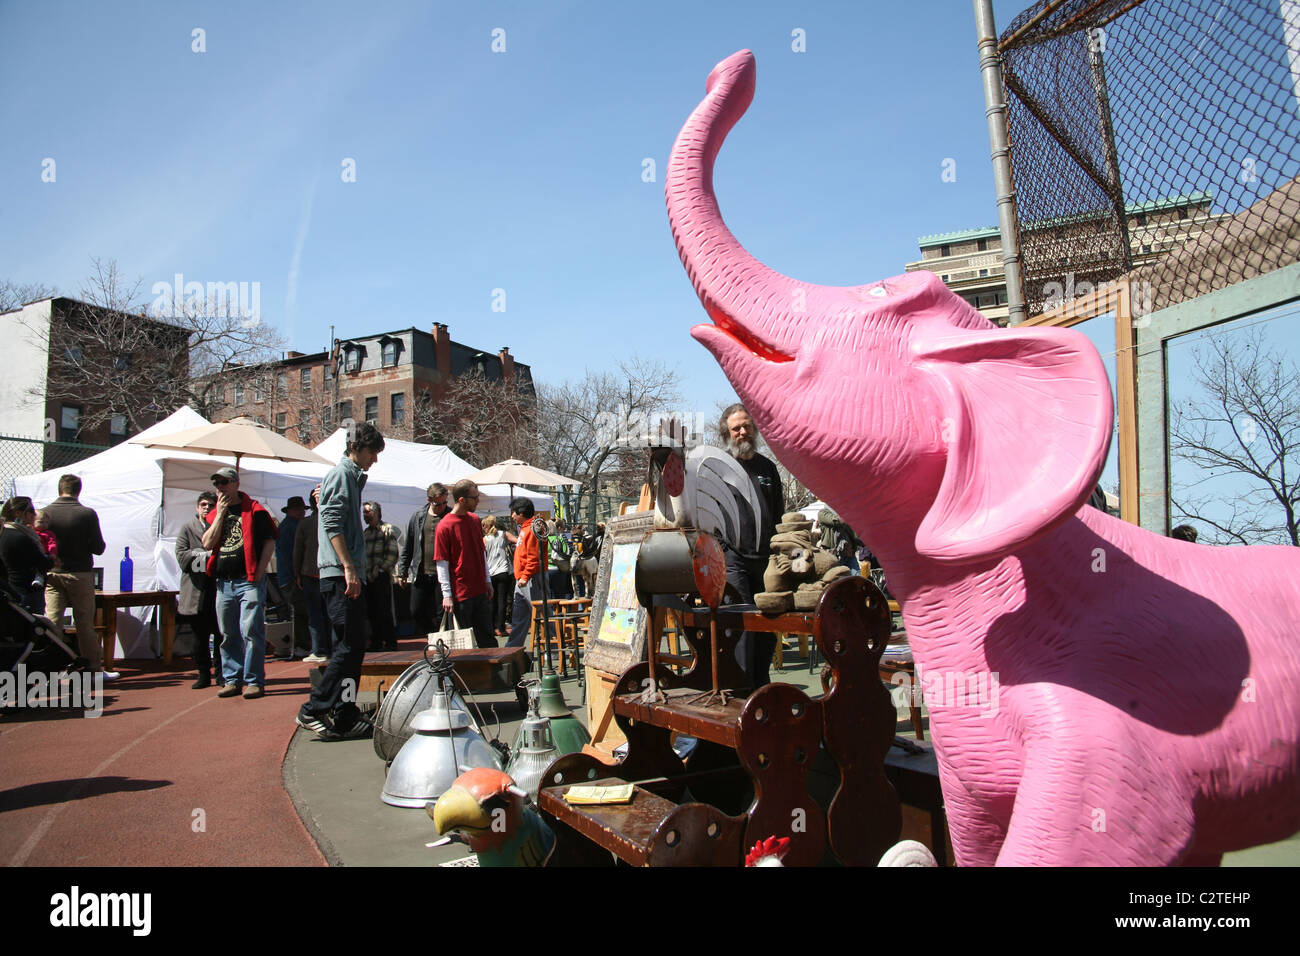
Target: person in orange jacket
<point>528,570</point>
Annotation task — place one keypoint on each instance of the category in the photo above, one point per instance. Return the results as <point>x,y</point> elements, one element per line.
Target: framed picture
<point>617,637</point>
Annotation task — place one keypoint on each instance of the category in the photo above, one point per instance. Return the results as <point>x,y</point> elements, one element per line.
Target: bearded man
<point>745,569</point>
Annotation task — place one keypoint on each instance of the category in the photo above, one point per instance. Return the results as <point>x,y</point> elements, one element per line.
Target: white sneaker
<point>315,659</point>
<point>110,675</point>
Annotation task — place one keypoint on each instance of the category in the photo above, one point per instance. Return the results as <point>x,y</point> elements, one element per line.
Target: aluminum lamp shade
<point>534,748</point>
<point>441,745</point>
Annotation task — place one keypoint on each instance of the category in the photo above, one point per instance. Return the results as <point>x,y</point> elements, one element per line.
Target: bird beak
<point>457,809</point>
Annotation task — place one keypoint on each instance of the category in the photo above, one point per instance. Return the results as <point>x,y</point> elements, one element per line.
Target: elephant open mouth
<point>734,330</point>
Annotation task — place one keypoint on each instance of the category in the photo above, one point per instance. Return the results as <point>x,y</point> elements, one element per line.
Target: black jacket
<point>412,556</point>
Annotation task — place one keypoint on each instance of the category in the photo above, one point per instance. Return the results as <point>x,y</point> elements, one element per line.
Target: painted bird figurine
<point>486,810</point>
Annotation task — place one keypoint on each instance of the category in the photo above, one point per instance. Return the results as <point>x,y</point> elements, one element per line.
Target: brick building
<point>380,378</point>
<point>970,261</point>
<point>80,374</point>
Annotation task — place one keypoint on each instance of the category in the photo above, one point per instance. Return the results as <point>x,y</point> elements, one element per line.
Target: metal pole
<point>1096,46</point>
<point>995,109</point>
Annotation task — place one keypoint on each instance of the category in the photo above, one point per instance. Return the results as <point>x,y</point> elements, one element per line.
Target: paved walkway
<point>166,776</point>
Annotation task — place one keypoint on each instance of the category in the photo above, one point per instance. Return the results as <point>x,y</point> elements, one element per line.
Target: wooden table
<point>475,666</point>
<point>107,604</point>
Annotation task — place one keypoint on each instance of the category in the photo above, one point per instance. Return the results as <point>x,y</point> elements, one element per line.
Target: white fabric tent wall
<point>144,496</point>
<point>124,485</point>
<point>416,465</point>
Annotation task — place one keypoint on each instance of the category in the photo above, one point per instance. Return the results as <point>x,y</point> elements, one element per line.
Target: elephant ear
<point>1027,419</point>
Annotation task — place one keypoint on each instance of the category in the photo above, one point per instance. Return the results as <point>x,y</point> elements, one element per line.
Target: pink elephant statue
<point>1099,694</point>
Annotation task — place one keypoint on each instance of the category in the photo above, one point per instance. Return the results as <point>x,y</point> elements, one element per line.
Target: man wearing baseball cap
<point>241,537</point>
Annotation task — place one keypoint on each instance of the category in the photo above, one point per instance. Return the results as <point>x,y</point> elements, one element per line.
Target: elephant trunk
<point>729,281</point>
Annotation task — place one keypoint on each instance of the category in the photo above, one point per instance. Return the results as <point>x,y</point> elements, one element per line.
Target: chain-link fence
<point>28,456</point>
<point>1155,139</point>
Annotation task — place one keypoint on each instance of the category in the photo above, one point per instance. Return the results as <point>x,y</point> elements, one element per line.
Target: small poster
<point>618,621</point>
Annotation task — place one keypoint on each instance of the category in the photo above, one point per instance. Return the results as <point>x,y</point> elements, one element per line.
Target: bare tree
<point>583,427</point>
<point>15,294</point>
<point>481,420</point>
<point>1246,428</point>
<point>110,358</point>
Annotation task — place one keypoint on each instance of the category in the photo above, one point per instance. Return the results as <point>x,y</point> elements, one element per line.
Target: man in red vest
<point>241,536</point>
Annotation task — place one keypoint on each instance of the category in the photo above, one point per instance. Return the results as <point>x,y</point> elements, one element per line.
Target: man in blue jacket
<point>331,712</point>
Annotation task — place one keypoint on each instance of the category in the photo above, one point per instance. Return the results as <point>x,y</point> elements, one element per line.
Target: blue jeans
<point>317,626</point>
<point>241,612</point>
<point>336,693</point>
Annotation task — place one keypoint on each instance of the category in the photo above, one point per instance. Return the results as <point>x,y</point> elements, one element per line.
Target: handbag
<point>456,638</point>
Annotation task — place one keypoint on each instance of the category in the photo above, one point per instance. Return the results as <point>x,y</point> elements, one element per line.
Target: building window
<point>944,277</point>
<point>304,428</point>
<point>1146,250</point>
<point>329,374</point>
<point>398,408</point>
<point>984,272</point>
<point>982,245</point>
<point>1182,213</point>
<point>282,384</point>
<point>69,422</point>
<point>72,354</point>
<point>353,361</point>
<point>121,363</point>
<point>305,376</point>
<point>281,422</point>
<point>117,425</point>
<point>372,409</point>
<point>239,394</point>
<point>945,250</point>
<point>1141,219</point>
<point>258,395</point>
<point>390,353</point>
<point>327,419</point>
<point>345,410</point>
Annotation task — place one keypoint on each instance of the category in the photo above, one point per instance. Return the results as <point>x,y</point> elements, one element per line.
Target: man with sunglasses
<point>241,537</point>
<point>415,563</point>
<point>462,565</point>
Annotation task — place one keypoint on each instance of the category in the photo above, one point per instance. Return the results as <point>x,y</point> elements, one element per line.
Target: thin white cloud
<point>291,283</point>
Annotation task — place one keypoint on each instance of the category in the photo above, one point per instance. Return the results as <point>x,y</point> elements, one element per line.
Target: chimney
<point>442,351</point>
<point>507,364</point>
<point>294,355</point>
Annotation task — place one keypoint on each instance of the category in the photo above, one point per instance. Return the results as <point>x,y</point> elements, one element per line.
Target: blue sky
<point>477,170</point>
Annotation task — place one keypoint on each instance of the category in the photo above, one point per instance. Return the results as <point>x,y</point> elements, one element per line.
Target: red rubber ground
<point>127,788</point>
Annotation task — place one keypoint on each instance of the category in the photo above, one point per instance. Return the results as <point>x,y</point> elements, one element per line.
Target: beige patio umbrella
<point>237,437</point>
<point>513,472</point>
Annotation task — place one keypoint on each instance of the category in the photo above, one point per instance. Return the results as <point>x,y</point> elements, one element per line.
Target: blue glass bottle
<point>128,572</point>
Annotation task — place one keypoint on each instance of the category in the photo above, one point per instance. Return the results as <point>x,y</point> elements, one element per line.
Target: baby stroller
<point>28,639</point>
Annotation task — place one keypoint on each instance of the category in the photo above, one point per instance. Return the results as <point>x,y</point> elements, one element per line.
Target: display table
<point>108,603</point>
<point>474,665</point>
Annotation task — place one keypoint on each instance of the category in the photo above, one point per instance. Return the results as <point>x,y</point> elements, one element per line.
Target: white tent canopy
<point>145,495</point>
<point>413,465</point>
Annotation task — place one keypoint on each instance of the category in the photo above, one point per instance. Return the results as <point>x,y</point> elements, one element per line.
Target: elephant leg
<point>976,833</point>
<point>1091,804</point>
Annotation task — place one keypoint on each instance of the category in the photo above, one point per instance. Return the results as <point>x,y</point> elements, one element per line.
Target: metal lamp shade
<point>534,752</point>
<point>441,744</point>
<point>411,695</point>
<point>566,730</point>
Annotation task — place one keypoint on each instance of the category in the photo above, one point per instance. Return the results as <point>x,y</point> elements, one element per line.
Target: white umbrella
<point>512,472</point>
<point>238,437</point>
